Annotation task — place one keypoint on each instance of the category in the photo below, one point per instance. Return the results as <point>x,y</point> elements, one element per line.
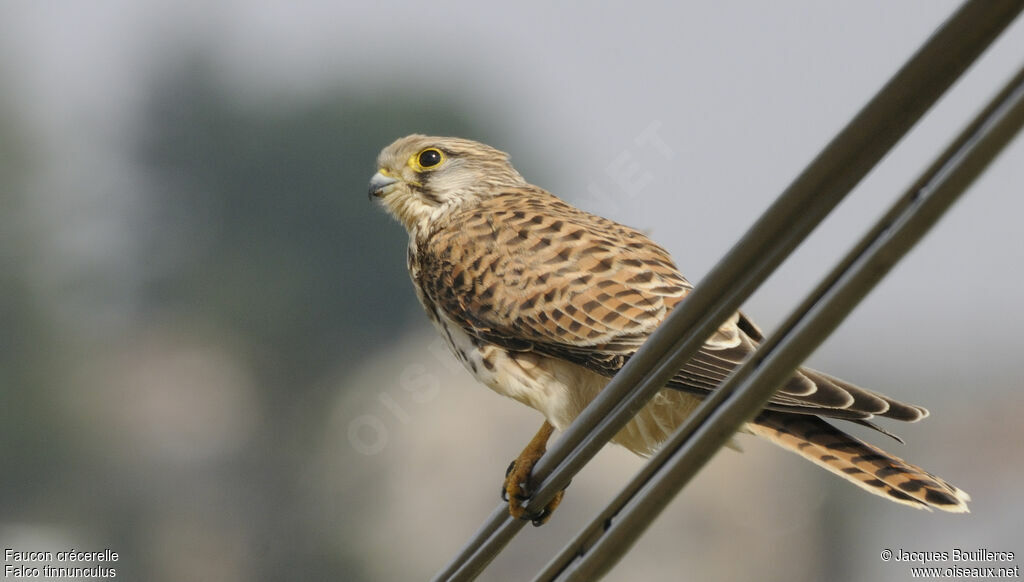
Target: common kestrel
<point>544,302</point>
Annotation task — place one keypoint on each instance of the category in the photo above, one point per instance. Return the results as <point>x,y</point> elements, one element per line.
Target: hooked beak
<point>380,183</point>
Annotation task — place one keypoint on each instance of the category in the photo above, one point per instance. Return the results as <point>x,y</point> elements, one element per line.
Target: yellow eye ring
<point>427,159</point>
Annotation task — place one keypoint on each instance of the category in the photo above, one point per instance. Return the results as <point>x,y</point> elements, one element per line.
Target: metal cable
<point>857,148</point>
<point>603,542</point>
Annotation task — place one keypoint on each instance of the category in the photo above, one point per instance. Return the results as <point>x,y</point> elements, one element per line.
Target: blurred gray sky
<point>742,94</point>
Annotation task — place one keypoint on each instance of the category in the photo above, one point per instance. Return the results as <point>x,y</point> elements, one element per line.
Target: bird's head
<point>420,178</point>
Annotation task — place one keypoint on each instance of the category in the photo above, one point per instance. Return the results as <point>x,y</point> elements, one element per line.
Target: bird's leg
<point>518,487</point>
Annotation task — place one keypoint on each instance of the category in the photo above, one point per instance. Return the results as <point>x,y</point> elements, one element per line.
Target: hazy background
<point>212,360</point>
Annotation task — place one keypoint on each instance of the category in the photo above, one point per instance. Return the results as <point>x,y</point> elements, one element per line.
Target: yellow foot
<point>518,486</point>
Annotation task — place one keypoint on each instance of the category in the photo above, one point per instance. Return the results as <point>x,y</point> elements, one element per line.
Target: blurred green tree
<point>27,342</point>
<point>266,211</point>
<point>263,231</point>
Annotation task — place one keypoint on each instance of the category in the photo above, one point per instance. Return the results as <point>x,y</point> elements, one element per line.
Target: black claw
<point>540,517</point>
<point>537,518</point>
<point>504,490</point>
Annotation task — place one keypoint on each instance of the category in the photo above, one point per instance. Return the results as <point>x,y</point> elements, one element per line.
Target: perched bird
<point>544,302</point>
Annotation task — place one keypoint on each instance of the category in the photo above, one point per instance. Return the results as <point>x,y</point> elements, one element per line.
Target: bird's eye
<point>430,157</point>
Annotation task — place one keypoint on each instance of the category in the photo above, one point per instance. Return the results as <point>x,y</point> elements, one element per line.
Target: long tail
<point>860,463</point>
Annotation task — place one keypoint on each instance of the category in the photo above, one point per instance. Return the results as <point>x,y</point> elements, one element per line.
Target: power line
<point>818,189</point>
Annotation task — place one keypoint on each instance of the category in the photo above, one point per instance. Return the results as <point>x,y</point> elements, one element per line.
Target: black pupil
<point>430,158</point>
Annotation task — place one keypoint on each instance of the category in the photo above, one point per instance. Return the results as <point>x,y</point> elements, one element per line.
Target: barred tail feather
<point>866,466</point>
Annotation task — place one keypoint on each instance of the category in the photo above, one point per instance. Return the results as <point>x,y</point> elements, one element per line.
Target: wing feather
<point>525,271</point>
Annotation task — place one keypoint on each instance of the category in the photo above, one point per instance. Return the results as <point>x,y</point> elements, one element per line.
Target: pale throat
<point>411,211</point>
